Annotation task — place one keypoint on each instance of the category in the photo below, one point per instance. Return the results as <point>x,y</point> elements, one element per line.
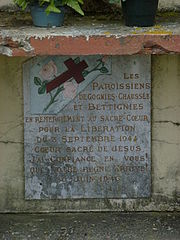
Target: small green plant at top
<point>52,5</point>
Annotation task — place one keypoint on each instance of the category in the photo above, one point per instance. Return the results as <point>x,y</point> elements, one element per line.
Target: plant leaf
<point>45,82</point>
<point>75,5</point>
<point>77,60</point>
<point>85,73</point>
<point>21,3</point>
<point>104,70</point>
<point>60,89</point>
<point>37,81</point>
<point>42,89</point>
<point>80,1</point>
<point>52,8</point>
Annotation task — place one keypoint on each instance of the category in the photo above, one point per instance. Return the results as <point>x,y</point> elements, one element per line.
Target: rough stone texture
<point>165,145</point>
<point>90,226</point>
<point>166,127</point>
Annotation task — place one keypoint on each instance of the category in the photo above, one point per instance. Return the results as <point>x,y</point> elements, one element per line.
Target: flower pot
<point>41,19</point>
<point>140,13</point>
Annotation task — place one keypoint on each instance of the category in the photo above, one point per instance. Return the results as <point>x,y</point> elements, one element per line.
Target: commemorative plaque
<point>87,127</point>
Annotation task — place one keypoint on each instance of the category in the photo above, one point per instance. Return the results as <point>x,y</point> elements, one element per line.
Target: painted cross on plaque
<point>87,127</point>
<point>53,86</point>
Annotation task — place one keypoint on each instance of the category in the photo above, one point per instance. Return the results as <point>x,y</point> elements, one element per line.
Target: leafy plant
<point>52,5</point>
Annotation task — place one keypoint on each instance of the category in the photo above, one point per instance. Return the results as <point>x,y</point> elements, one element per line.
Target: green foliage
<point>104,70</point>
<point>22,3</point>
<point>37,81</point>
<point>40,84</point>
<point>42,88</point>
<point>52,5</point>
<point>74,4</point>
<point>85,73</point>
<point>77,60</point>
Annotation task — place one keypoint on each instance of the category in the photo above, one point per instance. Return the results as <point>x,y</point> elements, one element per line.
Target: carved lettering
<point>90,138</point>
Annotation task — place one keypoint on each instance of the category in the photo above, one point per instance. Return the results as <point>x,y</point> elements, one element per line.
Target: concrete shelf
<point>88,36</point>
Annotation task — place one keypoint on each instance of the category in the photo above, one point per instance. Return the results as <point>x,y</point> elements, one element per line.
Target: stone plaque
<point>87,127</point>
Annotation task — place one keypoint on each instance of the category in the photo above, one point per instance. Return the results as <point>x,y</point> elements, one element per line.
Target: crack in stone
<point>11,142</point>
<point>153,47</point>
<point>163,141</point>
<point>166,121</point>
<point>164,108</point>
<point>18,118</point>
<point>10,129</point>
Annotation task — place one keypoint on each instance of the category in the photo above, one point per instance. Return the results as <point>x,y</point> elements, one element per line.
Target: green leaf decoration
<point>77,60</point>
<point>85,73</point>
<point>60,89</point>
<point>42,89</point>
<point>99,60</point>
<point>104,70</point>
<point>45,82</point>
<point>37,81</point>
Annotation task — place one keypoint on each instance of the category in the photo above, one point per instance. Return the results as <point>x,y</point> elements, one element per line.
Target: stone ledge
<point>88,36</point>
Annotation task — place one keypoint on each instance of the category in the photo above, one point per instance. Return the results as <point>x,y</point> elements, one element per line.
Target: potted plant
<point>139,13</point>
<point>48,13</point>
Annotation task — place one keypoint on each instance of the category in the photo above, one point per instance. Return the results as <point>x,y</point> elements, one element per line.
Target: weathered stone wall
<point>165,145</point>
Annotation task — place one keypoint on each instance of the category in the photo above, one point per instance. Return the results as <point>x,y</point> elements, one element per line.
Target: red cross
<point>74,70</point>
